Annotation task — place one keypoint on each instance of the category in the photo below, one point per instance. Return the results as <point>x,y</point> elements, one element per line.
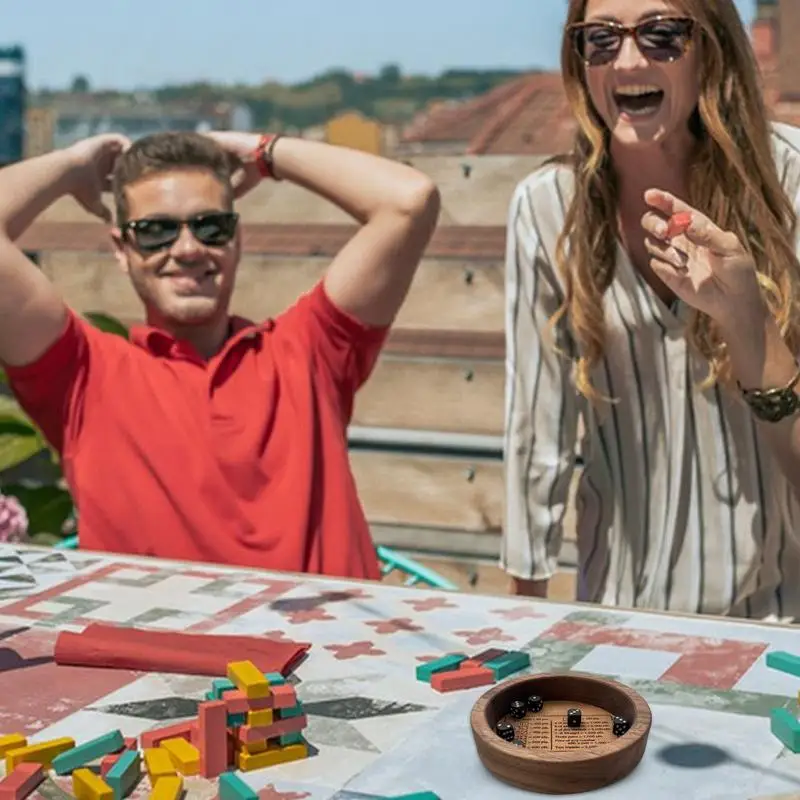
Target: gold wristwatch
<point>773,405</point>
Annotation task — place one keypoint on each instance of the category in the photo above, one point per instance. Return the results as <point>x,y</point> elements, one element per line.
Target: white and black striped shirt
<point>680,504</point>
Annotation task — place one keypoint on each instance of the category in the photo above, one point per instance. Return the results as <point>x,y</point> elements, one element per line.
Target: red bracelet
<point>263,155</point>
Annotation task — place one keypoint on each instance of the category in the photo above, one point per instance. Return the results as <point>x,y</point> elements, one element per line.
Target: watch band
<point>264,156</point>
<point>774,405</point>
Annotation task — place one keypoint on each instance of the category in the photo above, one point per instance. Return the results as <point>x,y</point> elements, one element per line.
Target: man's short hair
<point>165,152</point>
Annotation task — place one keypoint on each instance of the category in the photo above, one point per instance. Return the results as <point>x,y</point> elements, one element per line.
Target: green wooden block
<point>220,685</point>
<point>125,774</point>
<point>291,738</point>
<point>235,720</point>
<point>417,796</point>
<point>443,664</point>
<point>786,728</point>
<point>88,751</point>
<point>232,787</point>
<point>275,678</point>
<point>210,696</point>
<point>508,664</point>
<point>287,713</point>
<point>784,662</point>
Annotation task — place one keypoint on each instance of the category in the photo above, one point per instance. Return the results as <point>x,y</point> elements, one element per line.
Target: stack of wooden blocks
<point>246,722</point>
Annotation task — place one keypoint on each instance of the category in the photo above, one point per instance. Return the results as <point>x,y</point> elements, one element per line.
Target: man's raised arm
<point>32,314</point>
<point>397,206</point>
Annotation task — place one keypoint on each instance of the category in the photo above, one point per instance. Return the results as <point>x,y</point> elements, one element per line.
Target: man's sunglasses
<point>213,229</point>
<point>662,39</point>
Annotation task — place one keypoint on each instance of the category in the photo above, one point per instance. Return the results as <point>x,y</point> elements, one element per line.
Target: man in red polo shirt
<point>208,437</point>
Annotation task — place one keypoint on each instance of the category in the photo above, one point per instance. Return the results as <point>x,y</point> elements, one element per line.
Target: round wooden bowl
<point>561,771</point>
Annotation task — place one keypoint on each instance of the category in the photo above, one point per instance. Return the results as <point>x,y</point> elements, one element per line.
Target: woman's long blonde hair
<point>733,180</point>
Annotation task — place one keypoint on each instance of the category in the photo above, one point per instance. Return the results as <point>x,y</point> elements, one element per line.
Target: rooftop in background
<point>526,116</point>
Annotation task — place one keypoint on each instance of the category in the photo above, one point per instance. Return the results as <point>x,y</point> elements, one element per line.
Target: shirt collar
<point>162,344</point>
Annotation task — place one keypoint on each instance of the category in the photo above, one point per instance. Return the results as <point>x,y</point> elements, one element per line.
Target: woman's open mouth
<point>641,100</point>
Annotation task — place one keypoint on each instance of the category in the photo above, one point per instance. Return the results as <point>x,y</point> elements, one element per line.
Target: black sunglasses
<point>662,39</point>
<point>213,229</point>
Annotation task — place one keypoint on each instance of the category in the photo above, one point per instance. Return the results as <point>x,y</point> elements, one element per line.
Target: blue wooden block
<point>220,685</point>
<point>291,738</point>
<point>125,773</point>
<point>287,713</point>
<point>235,720</point>
<point>84,753</point>
<point>784,662</point>
<point>443,664</point>
<point>275,678</point>
<point>785,727</point>
<point>232,787</point>
<point>210,696</point>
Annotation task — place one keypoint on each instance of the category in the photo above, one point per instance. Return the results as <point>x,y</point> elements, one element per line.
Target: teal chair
<point>390,562</point>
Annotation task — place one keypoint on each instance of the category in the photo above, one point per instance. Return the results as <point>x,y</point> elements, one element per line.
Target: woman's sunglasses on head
<point>212,229</point>
<point>660,39</point>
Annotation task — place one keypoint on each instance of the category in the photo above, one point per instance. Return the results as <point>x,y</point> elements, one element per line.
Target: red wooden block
<point>678,223</point>
<point>284,696</point>
<point>470,663</point>
<point>212,738</point>
<point>181,730</point>
<point>239,703</point>
<point>489,655</point>
<point>131,743</point>
<point>462,679</point>
<point>247,733</point>
<point>22,781</point>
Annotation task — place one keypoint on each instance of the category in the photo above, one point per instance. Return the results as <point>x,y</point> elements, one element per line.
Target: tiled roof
<point>476,242</point>
<point>526,116</point>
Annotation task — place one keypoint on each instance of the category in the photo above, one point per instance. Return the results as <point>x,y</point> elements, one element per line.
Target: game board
<point>374,730</point>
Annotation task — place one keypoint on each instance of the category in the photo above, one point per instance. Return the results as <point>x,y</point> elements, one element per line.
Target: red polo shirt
<point>241,459</point>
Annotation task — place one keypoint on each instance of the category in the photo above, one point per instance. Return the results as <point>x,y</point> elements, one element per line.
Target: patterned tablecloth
<point>375,730</point>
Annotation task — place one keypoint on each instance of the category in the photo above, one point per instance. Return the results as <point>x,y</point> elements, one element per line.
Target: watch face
<point>773,406</point>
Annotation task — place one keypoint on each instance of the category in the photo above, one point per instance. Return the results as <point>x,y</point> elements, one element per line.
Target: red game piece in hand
<point>678,223</point>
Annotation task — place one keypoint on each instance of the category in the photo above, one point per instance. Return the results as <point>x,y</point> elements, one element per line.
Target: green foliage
<point>48,503</point>
<point>390,96</point>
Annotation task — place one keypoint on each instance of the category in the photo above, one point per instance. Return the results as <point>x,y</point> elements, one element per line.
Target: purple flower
<point>13,519</point>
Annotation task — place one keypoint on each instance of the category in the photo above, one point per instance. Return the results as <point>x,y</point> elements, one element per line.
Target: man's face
<point>186,281</point>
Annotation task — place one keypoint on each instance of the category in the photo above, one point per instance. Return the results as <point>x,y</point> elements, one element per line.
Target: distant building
<point>12,104</point>
<point>69,118</point>
<point>354,130</point>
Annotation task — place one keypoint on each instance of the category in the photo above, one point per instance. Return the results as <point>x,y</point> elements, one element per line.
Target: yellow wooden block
<point>40,753</point>
<point>185,756</point>
<point>87,785</point>
<point>169,787</point>
<point>271,757</point>
<point>260,719</point>
<point>255,747</point>
<point>12,742</point>
<point>248,679</point>
<point>157,763</point>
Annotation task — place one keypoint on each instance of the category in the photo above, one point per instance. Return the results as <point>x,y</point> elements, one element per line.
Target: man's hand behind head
<point>93,165</point>
<point>241,148</point>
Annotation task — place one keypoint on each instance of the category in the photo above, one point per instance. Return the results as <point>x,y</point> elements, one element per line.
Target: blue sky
<point>142,43</point>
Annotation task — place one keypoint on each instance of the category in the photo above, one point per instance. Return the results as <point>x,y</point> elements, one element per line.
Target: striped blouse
<point>680,505</point>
